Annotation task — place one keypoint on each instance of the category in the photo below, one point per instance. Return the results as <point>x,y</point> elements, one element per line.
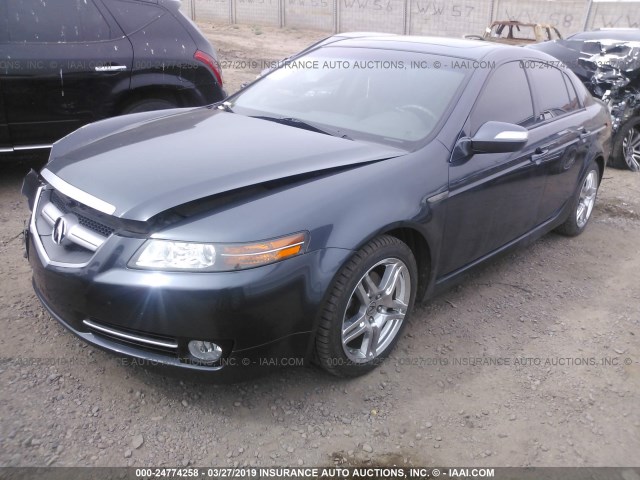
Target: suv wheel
<point>626,146</point>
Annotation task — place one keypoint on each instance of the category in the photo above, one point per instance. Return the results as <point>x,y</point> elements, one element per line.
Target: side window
<point>551,90</point>
<point>505,98</point>
<point>59,21</point>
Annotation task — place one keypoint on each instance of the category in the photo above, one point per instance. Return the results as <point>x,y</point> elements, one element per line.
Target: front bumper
<point>261,317</point>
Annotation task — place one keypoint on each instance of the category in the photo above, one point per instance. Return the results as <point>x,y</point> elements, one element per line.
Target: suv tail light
<point>210,62</point>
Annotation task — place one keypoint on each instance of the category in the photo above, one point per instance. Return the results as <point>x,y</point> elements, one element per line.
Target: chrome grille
<point>62,234</point>
<point>75,233</point>
<point>85,221</point>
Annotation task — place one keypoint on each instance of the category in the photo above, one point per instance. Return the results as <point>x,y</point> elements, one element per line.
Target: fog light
<point>205,351</point>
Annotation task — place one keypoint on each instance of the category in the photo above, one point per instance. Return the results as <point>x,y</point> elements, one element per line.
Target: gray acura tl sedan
<point>299,220</point>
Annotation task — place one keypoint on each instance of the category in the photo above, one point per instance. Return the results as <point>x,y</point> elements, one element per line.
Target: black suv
<point>66,63</point>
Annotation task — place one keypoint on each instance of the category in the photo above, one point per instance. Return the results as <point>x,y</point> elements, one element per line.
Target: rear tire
<point>148,105</point>
<point>626,146</point>
<point>367,308</point>
<point>583,202</point>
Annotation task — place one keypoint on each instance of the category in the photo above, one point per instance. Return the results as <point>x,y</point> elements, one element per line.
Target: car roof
<point>362,34</point>
<point>622,34</point>
<point>454,47</point>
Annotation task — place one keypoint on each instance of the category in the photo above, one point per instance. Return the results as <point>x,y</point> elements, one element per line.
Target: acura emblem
<point>60,230</point>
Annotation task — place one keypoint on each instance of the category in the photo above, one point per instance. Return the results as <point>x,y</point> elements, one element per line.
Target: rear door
<point>72,59</point>
<point>561,123</point>
<point>494,198</point>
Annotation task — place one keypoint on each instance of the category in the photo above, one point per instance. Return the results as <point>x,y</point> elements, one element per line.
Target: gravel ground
<point>558,320</point>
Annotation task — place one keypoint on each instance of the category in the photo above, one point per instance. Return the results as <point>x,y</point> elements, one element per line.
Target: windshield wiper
<point>296,122</point>
<point>226,106</point>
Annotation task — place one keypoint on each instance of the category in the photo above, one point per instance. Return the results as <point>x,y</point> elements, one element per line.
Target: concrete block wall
<point>312,14</point>
<point>615,15</point>
<point>568,16</point>
<point>449,18</point>
<point>187,8</point>
<point>259,12</point>
<point>371,15</point>
<point>210,10</point>
<point>453,18</point>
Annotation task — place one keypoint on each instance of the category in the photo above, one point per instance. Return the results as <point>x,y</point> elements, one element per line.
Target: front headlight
<point>171,255</point>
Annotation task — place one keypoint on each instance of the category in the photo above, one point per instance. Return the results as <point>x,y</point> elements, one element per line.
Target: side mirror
<point>499,137</point>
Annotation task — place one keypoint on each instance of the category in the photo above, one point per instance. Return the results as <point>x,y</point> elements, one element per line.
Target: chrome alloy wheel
<point>631,148</point>
<point>587,198</point>
<point>376,309</point>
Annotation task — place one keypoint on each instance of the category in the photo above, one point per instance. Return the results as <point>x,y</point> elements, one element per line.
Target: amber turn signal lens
<point>237,257</point>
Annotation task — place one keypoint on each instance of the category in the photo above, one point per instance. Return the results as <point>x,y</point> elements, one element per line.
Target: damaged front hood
<point>611,64</point>
<point>598,62</point>
<point>137,166</point>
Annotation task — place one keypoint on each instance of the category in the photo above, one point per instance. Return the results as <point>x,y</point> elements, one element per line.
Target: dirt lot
<point>244,51</point>
<point>559,322</point>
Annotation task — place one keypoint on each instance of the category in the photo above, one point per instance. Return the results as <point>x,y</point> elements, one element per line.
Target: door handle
<point>539,155</point>
<point>110,68</point>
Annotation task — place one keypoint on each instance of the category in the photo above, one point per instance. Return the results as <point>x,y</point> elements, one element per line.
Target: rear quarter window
<point>583,94</point>
<point>4,23</point>
<point>573,95</point>
<point>134,16</point>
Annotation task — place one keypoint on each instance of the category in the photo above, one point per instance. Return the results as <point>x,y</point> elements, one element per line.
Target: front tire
<point>367,308</point>
<point>626,146</point>
<point>583,203</point>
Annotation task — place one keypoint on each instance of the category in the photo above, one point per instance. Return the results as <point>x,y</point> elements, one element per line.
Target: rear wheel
<point>148,105</point>
<point>583,203</point>
<point>626,146</point>
<point>367,308</point>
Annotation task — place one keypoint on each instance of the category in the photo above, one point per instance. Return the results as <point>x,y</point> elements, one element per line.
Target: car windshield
<point>384,96</point>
